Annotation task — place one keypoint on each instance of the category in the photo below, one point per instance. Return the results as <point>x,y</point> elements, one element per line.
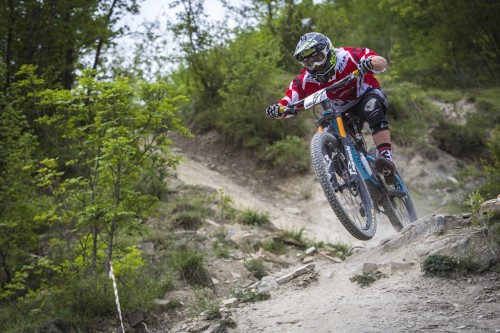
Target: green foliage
<point>243,120</point>
<point>296,236</point>
<point>439,265</point>
<point>491,165</point>
<point>274,246</point>
<point>112,133</point>
<point>411,114</point>
<point>18,195</point>
<point>173,305</point>
<point>485,219</point>
<point>252,217</point>
<point>256,267</point>
<point>252,296</point>
<point>420,26</point>
<point>221,250</point>
<point>225,205</point>
<point>461,141</point>
<point>342,250</point>
<point>205,305</point>
<point>290,154</point>
<point>189,262</point>
<point>191,200</point>
<point>367,279</point>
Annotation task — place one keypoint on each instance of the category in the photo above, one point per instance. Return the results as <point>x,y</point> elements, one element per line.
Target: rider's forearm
<point>379,63</point>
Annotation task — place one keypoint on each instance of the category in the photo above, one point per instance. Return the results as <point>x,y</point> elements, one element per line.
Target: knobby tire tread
<point>323,176</point>
<point>384,200</point>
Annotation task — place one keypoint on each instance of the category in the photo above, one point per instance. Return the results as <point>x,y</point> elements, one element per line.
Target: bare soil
<point>402,300</point>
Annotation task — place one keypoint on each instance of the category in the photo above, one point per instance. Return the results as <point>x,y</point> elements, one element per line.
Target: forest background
<point>84,154</point>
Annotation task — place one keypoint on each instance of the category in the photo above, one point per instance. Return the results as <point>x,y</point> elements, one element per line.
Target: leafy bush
<point>486,219</point>
<point>256,82</point>
<point>439,265</point>
<point>290,154</point>
<point>410,113</point>
<point>461,141</point>
<point>491,165</point>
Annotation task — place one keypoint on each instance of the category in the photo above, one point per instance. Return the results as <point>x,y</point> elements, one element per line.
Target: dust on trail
<point>298,203</point>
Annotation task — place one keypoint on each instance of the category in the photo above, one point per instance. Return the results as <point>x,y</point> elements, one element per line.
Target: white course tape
<point>117,300</point>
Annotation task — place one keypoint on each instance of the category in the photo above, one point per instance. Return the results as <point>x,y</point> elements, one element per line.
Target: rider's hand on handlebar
<point>364,66</point>
<point>273,111</point>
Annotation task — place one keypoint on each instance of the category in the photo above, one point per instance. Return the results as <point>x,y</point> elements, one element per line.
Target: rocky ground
<point>318,294</point>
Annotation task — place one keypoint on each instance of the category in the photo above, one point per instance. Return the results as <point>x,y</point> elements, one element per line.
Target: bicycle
<point>346,170</point>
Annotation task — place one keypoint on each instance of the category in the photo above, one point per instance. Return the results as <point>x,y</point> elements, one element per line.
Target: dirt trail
<point>402,301</point>
<point>286,205</point>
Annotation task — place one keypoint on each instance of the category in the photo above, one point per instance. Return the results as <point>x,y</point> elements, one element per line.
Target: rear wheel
<point>397,203</point>
<point>347,194</point>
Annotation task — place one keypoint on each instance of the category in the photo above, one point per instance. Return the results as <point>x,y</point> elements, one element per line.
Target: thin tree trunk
<point>100,43</point>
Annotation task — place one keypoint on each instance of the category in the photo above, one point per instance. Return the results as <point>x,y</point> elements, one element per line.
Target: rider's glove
<point>273,111</point>
<point>364,66</point>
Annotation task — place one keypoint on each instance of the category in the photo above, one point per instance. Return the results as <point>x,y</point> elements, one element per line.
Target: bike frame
<point>355,159</point>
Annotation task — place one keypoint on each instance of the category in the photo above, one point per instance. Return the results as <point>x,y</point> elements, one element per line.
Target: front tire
<point>348,195</point>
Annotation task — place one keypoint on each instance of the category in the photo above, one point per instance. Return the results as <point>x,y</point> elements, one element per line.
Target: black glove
<point>273,111</point>
<point>364,66</point>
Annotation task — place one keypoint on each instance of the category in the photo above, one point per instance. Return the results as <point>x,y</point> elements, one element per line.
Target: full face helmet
<point>315,52</point>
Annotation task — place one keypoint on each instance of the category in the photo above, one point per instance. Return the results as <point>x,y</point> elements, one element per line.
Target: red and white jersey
<point>344,97</point>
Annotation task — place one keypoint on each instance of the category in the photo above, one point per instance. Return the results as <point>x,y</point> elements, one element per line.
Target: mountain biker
<point>324,65</point>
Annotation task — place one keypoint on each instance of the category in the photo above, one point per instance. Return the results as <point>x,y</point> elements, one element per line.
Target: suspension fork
<point>345,143</point>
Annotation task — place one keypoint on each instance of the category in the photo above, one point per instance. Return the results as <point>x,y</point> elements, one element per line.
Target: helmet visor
<point>316,60</point>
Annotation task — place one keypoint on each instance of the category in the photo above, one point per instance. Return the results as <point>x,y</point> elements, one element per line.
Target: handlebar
<point>292,109</point>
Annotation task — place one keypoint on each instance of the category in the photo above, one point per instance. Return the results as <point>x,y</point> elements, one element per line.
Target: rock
<point>492,206</point>
<point>329,257</point>
<point>271,257</point>
<point>135,318</point>
<point>297,272</point>
<point>288,240</point>
<point>230,301</point>
<point>311,250</point>
<point>308,259</point>
<point>57,325</point>
<point>161,301</point>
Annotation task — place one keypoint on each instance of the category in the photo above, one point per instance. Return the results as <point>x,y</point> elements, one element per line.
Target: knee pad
<point>374,113</point>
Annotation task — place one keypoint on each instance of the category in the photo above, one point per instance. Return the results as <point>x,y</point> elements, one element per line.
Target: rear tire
<point>399,209</point>
<point>348,195</point>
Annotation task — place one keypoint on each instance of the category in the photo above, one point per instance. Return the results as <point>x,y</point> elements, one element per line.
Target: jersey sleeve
<point>294,92</point>
<point>360,53</point>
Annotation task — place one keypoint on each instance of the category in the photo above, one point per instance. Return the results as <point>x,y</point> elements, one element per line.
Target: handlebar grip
<point>288,111</point>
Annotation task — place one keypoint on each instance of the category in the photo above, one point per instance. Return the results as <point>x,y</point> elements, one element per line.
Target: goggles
<point>317,60</point>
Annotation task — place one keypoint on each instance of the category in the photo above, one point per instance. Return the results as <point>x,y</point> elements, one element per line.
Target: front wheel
<point>347,194</point>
